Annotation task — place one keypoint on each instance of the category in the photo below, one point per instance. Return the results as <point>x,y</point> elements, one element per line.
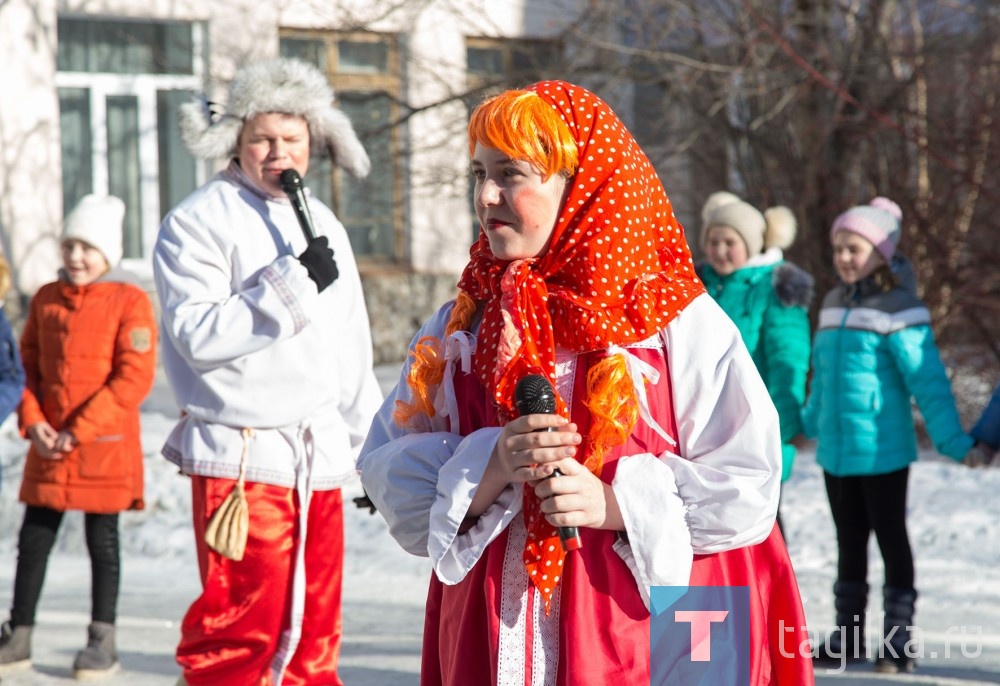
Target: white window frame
<point>144,88</point>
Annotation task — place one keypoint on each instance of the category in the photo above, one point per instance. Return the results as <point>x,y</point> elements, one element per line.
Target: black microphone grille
<point>290,181</point>
<point>535,395</point>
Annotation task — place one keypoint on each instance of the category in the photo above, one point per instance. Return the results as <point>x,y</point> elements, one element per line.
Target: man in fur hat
<point>268,351</point>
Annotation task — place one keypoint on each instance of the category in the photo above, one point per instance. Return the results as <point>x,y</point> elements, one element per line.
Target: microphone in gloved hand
<point>535,395</point>
<point>291,183</point>
<point>318,256</point>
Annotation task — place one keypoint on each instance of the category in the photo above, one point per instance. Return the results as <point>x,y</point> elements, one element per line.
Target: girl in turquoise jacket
<point>874,351</point>
<point>767,298</point>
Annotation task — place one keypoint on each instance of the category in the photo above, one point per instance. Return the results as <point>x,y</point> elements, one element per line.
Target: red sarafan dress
<point>489,629</point>
<point>696,481</point>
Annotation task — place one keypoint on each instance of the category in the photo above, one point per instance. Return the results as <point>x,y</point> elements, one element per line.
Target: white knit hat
<point>775,227</point>
<point>97,220</point>
<point>280,85</point>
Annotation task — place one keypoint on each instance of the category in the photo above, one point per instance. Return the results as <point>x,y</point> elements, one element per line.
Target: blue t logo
<point>699,636</point>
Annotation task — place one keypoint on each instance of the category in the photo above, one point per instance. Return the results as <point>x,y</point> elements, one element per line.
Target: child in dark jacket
<point>987,432</point>
<point>874,350</point>
<point>11,369</point>
<point>89,351</point>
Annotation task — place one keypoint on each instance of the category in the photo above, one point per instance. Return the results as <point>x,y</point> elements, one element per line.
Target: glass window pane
<point>485,61</point>
<point>177,168</point>
<point>366,206</point>
<point>120,48</point>
<point>175,53</point>
<point>534,59</point>
<point>306,49</point>
<point>74,127</point>
<point>319,179</point>
<point>650,122</point>
<point>124,171</point>
<point>71,48</point>
<point>123,47</point>
<point>357,57</point>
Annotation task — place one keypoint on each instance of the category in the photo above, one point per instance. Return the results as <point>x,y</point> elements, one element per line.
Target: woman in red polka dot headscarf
<point>662,435</point>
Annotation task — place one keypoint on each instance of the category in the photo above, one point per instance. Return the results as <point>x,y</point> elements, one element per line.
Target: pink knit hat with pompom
<point>879,222</point>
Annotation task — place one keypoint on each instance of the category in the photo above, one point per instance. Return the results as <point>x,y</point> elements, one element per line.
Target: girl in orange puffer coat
<point>89,352</point>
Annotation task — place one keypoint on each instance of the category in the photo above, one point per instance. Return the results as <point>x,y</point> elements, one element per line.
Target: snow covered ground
<point>954,513</point>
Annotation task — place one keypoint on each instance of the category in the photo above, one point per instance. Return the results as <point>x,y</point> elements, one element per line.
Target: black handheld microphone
<point>535,395</point>
<point>291,183</point>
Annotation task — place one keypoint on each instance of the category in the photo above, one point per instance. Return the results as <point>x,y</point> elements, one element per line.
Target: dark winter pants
<point>861,505</point>
<point>38,533</point>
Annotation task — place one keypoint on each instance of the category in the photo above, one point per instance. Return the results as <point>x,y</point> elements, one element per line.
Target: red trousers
<point>235,632</point>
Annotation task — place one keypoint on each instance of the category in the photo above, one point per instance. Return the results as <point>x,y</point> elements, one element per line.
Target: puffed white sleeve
<point>422,477</point>
<point>718,490</point>
<point>208,321</point>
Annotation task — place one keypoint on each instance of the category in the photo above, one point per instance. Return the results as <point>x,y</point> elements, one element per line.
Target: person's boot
<point>99,659</point>
<point>846,643</point>
<point>15,648</point>
<point>898,604</point>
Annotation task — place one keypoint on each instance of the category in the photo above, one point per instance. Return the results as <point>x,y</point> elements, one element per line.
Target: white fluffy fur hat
<point>279,85</point>
<point>775,227</point>
<point>98,220</point>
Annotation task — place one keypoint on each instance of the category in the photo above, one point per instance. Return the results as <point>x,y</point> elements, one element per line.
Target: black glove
<point>318,261</point>
<point>363,502</point>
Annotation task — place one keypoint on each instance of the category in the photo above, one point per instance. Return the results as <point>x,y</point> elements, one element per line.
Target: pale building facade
<point>90,93</point>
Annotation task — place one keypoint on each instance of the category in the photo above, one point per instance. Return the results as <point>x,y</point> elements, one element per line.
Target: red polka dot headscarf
<point>617,270</point>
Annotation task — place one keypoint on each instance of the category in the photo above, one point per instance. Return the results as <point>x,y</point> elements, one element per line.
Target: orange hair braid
<point>613,406</point>
<point>427,368</point>
<point>461,314</point>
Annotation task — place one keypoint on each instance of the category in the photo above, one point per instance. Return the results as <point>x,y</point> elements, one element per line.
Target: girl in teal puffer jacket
<point>874,351</point>
<point>767,298</point>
